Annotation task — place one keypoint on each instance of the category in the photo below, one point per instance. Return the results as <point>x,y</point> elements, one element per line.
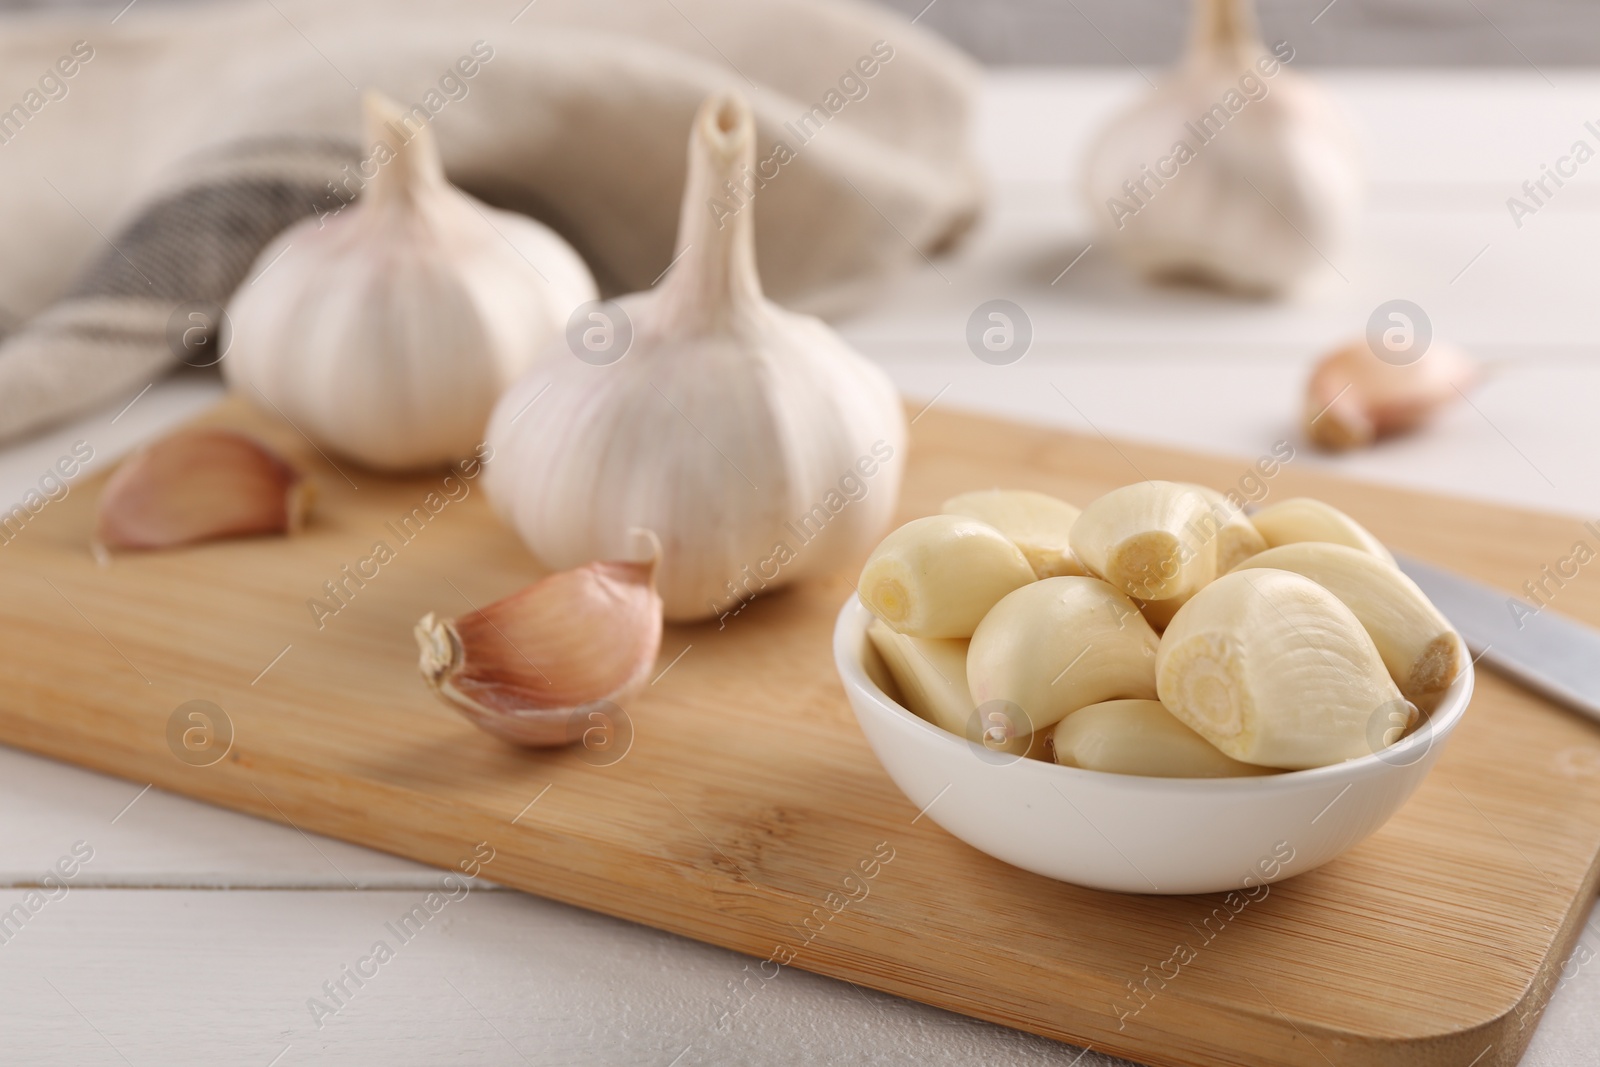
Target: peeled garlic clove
<point>1304,519</point>
<point>1057,645</point>
<point>1152,540</point>
<point>1272,669</point>
<point>1234,171</point>
<point>931,674</point>
<point>388,330</point>
<point>755,441</point>
<point>1140,737</point>
<point>530,668</point>
<point>1422,651</point>
<point>1036,523</point>
<point>200,485</point>
<point>1236,536</point>
<point>938,576</point>
<point>1354,397</point>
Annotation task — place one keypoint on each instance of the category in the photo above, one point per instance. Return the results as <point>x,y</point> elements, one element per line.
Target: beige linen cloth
<point>141,185</point>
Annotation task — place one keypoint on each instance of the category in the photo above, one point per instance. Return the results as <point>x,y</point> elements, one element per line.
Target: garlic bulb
<point>387,332</point>
<point>535,667</point>
<point>200,485</point>
<point>1234,171</point>
<point>757,444</point>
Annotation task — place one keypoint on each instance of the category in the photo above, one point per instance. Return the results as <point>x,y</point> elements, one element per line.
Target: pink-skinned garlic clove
<point>531,667</point>
<point>200,485</point>
<point>1355,398</point>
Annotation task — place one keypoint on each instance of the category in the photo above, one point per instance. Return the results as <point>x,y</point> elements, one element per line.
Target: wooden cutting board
<point>748,809</point>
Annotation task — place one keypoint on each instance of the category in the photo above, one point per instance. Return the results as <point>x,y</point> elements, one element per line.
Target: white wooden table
<point>197,936</point>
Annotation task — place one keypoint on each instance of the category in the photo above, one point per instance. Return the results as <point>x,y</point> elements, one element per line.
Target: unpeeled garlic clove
<point>1036,523</point>
<point>1140,737</point>
<point>1355,398</point>
<point>1273,669</point>
<point>1152,540</point>
<point>530,668</point>
<point>200,485</point>
<point>1057,645</point>
<point>938,576</point>
<point>1422,651</point>
<point>1303,519</point>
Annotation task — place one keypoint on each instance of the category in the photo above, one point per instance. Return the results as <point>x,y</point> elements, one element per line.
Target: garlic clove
<point>755,441</point>
<point>1057,645</point>
<point>1234,171</point>
<point>1422,651</point>
<point>388,330</point>
<point>938,576</point>
<point>1274,670</point>
<point>531,667</point>
<point>1304,519</point>
<point>1036,523</point>
<point>931,674</point>
<point>200,485</point>
<point>1140,737</point>
<point>1355,398</point>
<point>1152,540</point>
<point>1236,536</point>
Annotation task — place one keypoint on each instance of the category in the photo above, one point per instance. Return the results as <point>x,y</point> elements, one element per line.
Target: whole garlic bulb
<point>1235,171</point>
<point>755,442</point>
<point>388,331</point>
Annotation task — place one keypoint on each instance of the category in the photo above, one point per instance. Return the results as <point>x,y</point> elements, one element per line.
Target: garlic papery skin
<point>530,668</point>
<point>754,441</point>
<point>387,331</point>
<point>1234,171</point>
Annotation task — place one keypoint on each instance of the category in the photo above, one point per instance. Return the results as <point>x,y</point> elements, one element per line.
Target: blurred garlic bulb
<point>1234,171</point>
<point>756,443</point>
<point>387,332</point>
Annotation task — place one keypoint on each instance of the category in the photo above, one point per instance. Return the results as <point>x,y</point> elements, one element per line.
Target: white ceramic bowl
<point>1127,833</point>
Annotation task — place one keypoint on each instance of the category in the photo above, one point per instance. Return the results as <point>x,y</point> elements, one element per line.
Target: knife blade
<point>1547,652</point>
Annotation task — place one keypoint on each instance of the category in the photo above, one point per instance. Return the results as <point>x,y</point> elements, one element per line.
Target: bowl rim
<point>849,635</point>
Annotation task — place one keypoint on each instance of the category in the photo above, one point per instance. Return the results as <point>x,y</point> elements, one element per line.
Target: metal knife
<point>1544,651</point>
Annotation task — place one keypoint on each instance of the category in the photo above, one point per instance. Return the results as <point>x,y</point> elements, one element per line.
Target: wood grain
<point>749,795</point>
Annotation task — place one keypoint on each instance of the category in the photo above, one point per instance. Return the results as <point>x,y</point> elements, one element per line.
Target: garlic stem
<point>1223,29</point>
<point>414,166</point>
<point>713,275</point>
